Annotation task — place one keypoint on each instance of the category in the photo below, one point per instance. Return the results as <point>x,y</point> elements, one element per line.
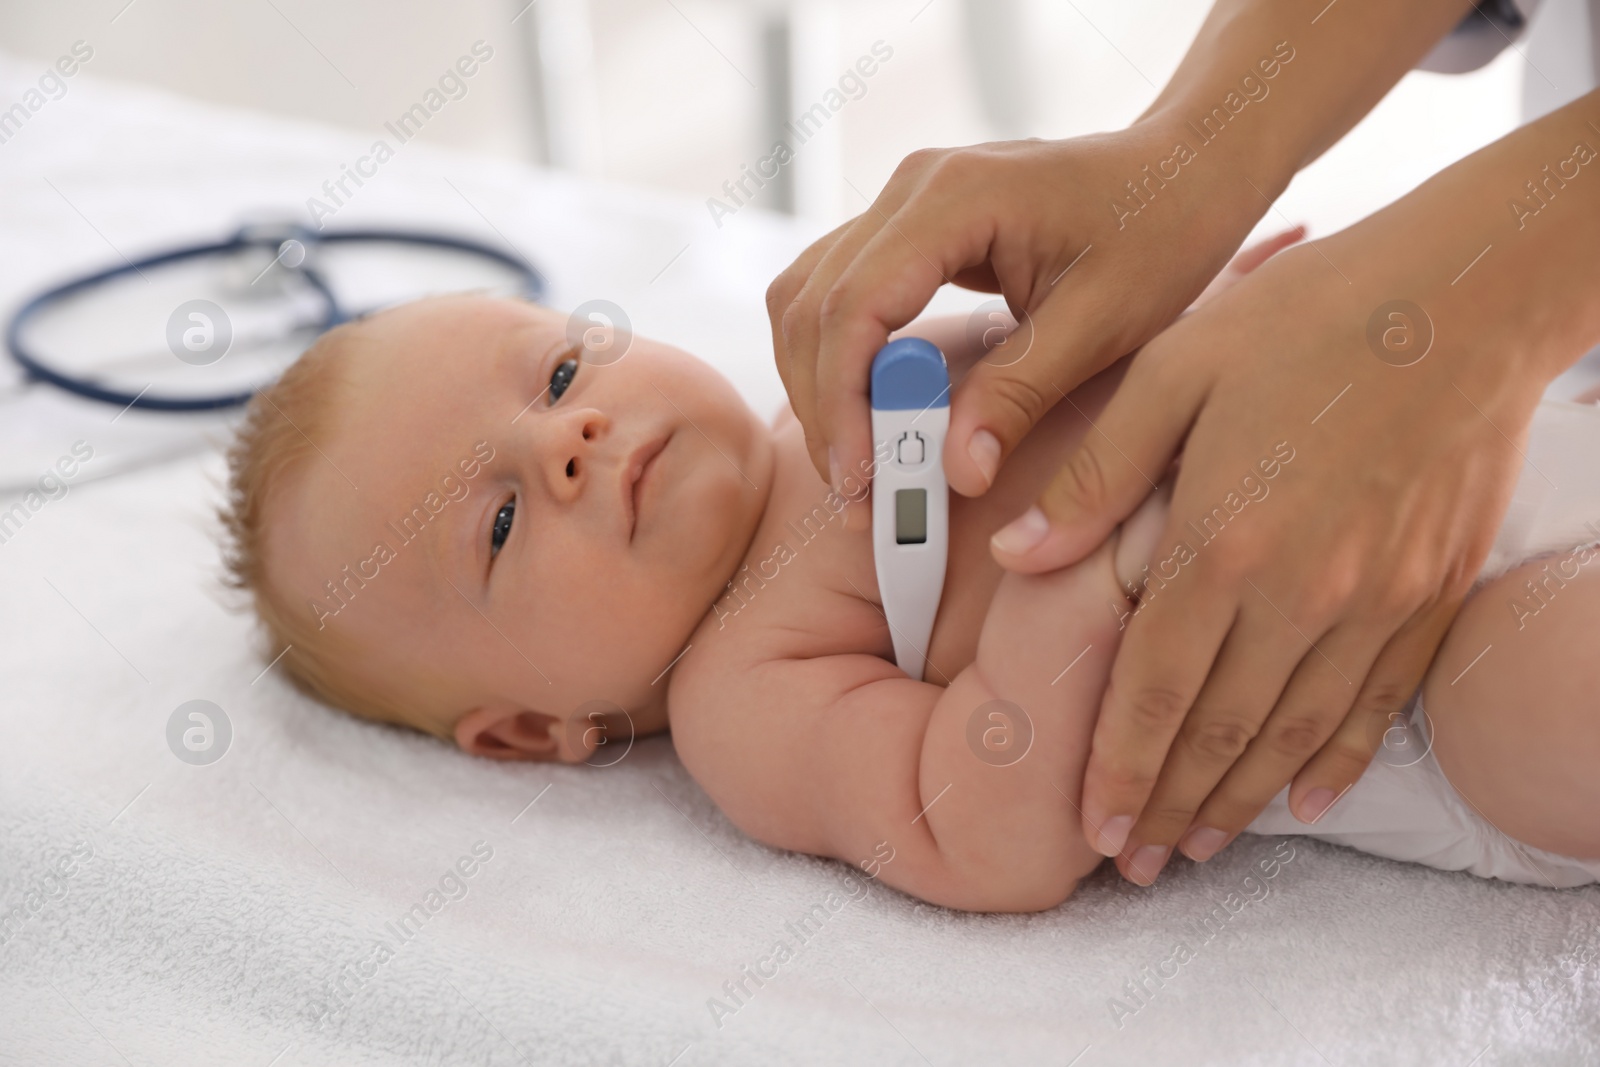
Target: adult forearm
<point>1284,81</point>
<point>1502,248</point>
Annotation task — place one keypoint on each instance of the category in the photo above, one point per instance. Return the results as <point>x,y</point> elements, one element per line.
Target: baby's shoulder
<point>781,605</point>
<point>801,592</point>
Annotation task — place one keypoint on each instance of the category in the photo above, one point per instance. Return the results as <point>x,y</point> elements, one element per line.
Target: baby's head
<point>434,511</point>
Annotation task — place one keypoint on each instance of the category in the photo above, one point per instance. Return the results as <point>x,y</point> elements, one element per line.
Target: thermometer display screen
<point>910,516</point>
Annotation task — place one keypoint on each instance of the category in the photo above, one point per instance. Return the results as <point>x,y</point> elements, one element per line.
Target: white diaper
<point>1404,807</point>
<point>1408,811</point>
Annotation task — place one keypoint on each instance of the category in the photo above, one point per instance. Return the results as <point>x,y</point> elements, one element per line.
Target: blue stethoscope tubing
<point>532,283</point>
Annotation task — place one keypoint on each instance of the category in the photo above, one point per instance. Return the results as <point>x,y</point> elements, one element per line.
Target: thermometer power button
<point>911,450</point>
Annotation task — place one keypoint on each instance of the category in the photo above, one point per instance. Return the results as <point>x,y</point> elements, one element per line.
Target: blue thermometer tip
<point>909,375</point>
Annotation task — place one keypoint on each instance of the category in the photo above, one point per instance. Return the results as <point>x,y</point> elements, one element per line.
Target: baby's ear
<point>507,731</point>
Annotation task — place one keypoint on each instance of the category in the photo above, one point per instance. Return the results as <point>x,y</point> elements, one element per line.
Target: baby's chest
<point>808,585</point>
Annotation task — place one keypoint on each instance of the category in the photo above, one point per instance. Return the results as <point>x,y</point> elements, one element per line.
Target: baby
<point>457,519</point>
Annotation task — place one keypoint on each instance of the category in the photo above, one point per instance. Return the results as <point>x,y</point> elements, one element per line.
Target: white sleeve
<point>1482,35</point>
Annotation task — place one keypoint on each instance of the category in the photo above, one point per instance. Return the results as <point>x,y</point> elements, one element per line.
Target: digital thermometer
<point>910,500</point>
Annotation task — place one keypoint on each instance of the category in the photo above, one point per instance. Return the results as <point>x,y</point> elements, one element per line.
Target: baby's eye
<point>562,378</point>
<point>502,527</point>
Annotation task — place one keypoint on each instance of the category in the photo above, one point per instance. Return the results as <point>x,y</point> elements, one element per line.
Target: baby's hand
<point>1247,261</point>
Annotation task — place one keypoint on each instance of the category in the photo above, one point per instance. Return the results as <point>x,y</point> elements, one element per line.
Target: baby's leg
<point>1512,697</point>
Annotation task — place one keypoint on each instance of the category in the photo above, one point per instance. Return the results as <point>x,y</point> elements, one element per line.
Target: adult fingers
<point>1115,466</point>
<point>1165,656</point>
<point>981,278</point>
<point>885,285</point>
<point>800,323</point>
<point>781,292</point>
<point>792,310</point>
<point>1320,729</point>
<point>1388,688</point>
<point>1005,394</point>
<point>1317,698</point>
<point>1229,711</point>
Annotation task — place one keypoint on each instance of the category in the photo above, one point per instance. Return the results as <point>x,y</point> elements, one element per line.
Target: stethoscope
<point>288,246</point>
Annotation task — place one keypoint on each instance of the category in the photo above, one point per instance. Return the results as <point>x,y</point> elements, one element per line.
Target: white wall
<point>679,81</point>
<point>351,62</point>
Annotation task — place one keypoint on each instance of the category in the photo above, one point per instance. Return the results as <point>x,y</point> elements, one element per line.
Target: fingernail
<point>1147,862</point>
<point>834,480</point>
<point>1315,805</point>
<point>984,448</point>
<point>1024,531</point>
<point>1113,835</point>
<point>1201,844</point>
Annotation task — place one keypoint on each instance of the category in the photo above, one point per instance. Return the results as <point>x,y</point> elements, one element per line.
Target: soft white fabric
<point>1404,807</point>
<point>221,903</point>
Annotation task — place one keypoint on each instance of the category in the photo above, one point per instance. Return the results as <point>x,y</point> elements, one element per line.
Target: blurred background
<point>683,94</point>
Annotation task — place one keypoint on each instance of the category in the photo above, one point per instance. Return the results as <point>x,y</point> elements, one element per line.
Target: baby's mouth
<point>641,465</point>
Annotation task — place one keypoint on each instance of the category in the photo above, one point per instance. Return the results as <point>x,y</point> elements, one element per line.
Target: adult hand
<point>1153,211</point>
<point>1344,474</point>
<point>1052,225</point>
<point>1040,222</point>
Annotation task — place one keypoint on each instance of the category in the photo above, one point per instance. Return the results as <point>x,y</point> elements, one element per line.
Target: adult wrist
<point>1226,180</point>
<point>1510,238</point>
<point>1244,105</point>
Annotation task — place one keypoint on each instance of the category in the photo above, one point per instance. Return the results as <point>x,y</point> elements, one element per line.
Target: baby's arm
<point>839,754</point>
<point>843,755</point>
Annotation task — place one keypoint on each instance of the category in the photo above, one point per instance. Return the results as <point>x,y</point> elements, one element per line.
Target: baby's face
<point>480,488</point>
